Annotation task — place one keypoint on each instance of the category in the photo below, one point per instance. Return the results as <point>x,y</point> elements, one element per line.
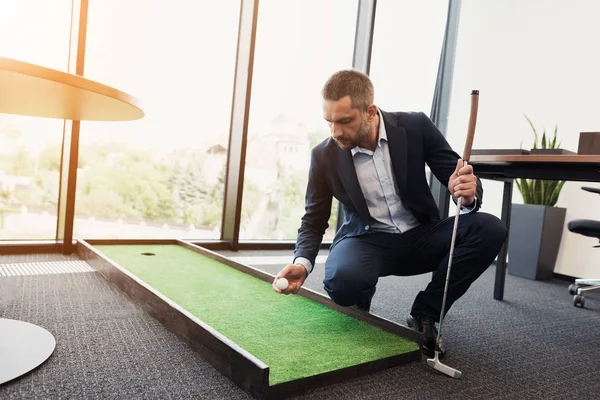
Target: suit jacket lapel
<point>398,152</point>
<point>349,179</point>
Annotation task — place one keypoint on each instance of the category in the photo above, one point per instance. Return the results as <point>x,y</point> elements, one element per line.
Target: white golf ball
<point>282,283</point>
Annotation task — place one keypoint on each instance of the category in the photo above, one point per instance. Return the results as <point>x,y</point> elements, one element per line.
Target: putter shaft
<point>456,216</point>
<point>435,362</point>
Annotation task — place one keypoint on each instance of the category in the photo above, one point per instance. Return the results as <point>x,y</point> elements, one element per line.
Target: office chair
<point>589,228</point>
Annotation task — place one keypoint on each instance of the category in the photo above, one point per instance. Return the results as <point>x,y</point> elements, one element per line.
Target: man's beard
<point>362,137</point>
<point>363,133</point>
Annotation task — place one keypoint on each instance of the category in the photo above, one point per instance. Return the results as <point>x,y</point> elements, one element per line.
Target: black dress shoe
<point>427,327</point>
<point>364,305</point>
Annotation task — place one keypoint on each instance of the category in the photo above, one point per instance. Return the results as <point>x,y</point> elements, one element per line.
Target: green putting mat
<point>294,336</point>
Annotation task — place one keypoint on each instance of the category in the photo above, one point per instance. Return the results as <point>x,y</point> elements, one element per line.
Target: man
<point>374,164</point>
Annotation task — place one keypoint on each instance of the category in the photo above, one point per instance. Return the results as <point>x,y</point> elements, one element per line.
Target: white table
<point>33,90</point>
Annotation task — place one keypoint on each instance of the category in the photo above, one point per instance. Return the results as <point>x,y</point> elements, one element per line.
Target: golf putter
<point>435,362</point>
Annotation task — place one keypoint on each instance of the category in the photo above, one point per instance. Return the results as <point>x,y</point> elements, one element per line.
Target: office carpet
<point>532,345</point>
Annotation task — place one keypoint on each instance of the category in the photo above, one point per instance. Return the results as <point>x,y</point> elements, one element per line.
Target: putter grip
<point>472,123</point>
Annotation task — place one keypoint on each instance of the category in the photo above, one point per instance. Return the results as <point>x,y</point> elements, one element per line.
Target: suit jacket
<point>413,141</point>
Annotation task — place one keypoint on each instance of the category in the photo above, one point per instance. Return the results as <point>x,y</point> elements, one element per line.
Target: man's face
<point>349,126</point>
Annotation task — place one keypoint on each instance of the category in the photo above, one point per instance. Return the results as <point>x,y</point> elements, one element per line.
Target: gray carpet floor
<point>532,345</point>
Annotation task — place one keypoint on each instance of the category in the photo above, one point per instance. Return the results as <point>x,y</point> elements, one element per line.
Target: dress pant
<point>355,264</point>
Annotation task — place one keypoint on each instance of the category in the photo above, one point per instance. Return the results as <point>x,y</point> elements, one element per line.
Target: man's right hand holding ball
<point>295,274</point>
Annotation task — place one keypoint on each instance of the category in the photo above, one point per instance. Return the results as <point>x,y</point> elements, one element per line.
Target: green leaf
<point>534,132</point>
<point>540,194</point>
<point>550,187</point>
<point>526,192</point>
<point>553,145</point>
<point>522,185</point>
<point>554,198</point>
<point>529,193</point>
<point>531,184</point>
<point>544,140</point>
<point>547,191</point>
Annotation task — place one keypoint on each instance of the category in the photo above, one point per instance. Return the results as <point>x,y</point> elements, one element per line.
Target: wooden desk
<point>506,168</point>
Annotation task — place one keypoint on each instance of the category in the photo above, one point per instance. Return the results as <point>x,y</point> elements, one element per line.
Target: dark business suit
<point>359,256</point>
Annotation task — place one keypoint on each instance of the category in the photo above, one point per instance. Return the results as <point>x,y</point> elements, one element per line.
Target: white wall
<point>538,57</point>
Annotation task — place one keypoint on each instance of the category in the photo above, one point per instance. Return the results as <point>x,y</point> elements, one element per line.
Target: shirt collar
<point>382,136</point>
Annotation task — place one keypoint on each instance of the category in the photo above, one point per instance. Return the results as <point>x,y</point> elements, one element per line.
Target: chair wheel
<point>573,289</point>
<point>578,300</point>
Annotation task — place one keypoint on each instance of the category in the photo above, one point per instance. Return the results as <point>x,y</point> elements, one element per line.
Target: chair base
<point>581,286</point>
<point>587,282</point>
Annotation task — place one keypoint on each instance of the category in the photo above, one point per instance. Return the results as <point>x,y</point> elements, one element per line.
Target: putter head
<point>436,364</point>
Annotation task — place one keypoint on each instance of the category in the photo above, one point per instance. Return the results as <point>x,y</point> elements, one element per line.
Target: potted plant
<point>536,226</point>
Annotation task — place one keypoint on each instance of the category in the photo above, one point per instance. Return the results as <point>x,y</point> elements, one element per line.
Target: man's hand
<point>295,274</point>
<point>463,183</point>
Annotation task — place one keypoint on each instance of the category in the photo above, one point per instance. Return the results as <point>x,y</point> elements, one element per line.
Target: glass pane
<point>297,49</point>
<point>163,175</point>
<point>30,147</point>
<point>407,42</point>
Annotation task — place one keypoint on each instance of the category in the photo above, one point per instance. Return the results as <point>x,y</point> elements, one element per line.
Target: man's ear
<point>371,112</point>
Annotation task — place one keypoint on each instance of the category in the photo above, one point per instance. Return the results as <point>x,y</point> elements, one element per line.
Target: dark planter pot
<point>534,240</point>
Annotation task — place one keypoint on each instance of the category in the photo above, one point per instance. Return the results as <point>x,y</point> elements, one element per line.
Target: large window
<point>34,31</point>
<point>407,42</point>
<point>540,61</point>
<point>298,45</point>
<point>163,175</point>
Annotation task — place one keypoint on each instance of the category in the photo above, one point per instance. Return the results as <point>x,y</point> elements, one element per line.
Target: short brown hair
<point>353,83</point>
